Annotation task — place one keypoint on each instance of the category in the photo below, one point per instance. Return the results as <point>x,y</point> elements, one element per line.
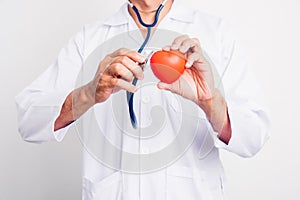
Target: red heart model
<point>167,66</point>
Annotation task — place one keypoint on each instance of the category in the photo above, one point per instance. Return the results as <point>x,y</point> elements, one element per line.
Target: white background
<point>33,31</point>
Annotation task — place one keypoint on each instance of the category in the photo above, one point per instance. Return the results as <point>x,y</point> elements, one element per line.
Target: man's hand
<point>197,84</point>
<point>116,71</point>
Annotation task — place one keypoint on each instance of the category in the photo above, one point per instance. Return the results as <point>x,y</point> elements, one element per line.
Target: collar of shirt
<point>178,12</point>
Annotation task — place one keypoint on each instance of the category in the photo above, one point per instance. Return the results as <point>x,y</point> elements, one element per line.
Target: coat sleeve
<point>246,107</point>
<point>39,104</point>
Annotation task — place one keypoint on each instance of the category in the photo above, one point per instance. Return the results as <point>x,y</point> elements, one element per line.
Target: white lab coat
<point>198,174</point>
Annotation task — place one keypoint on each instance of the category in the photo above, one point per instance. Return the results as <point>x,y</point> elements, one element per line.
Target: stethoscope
<point>149,27</point>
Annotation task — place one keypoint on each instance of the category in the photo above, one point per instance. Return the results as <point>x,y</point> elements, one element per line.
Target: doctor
<point>236,122</point>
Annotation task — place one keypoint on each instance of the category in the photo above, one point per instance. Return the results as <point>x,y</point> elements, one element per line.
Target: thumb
<point>164,86</point>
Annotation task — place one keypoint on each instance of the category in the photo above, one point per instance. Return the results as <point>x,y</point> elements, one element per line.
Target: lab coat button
<point>146,99</point>
<point>145,151</point>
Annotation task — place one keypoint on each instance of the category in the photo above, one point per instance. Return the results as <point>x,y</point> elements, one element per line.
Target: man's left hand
<point>197,84</point>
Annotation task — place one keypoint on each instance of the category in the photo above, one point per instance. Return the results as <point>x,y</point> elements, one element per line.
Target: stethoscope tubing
<point>140,50</point>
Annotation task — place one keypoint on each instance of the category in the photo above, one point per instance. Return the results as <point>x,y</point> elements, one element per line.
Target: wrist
<point>209,105</point>
<point>217,114</point>
<point>86,96</point>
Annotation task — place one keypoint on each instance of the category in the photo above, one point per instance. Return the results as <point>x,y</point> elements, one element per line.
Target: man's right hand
<point>116,71</point>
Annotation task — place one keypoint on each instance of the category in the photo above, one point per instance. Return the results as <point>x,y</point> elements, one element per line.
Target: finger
<point>133,55</point>
<point>197,47</point>
<point>178,41</point>
<point>119,52</point>
<point>120,71</point>
<point>193,58</point>
<point>164,86</point>
<point>167,48</point>
<point>124,85</point>
<point>174,87</point>
<point>197,57</point>
<point>132,66</point>
<point>189,44</point>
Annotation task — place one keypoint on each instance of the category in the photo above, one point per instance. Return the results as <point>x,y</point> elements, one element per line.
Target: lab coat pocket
<point>216,186</point>
<point>108,188</point>
<point>181,184</point>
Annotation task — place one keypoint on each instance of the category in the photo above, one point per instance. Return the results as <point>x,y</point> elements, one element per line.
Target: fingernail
<point>174,46</point>
<point>183,49</point>
<point>159,86</point>
<point>134,90</point>
<point>189,64</point>
<point>141,77</point>
<point>162,85</point>
<point>142,59</point>
<point>166,48</point>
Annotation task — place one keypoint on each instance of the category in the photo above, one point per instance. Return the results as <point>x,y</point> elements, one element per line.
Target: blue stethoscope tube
<point>149,27</point>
